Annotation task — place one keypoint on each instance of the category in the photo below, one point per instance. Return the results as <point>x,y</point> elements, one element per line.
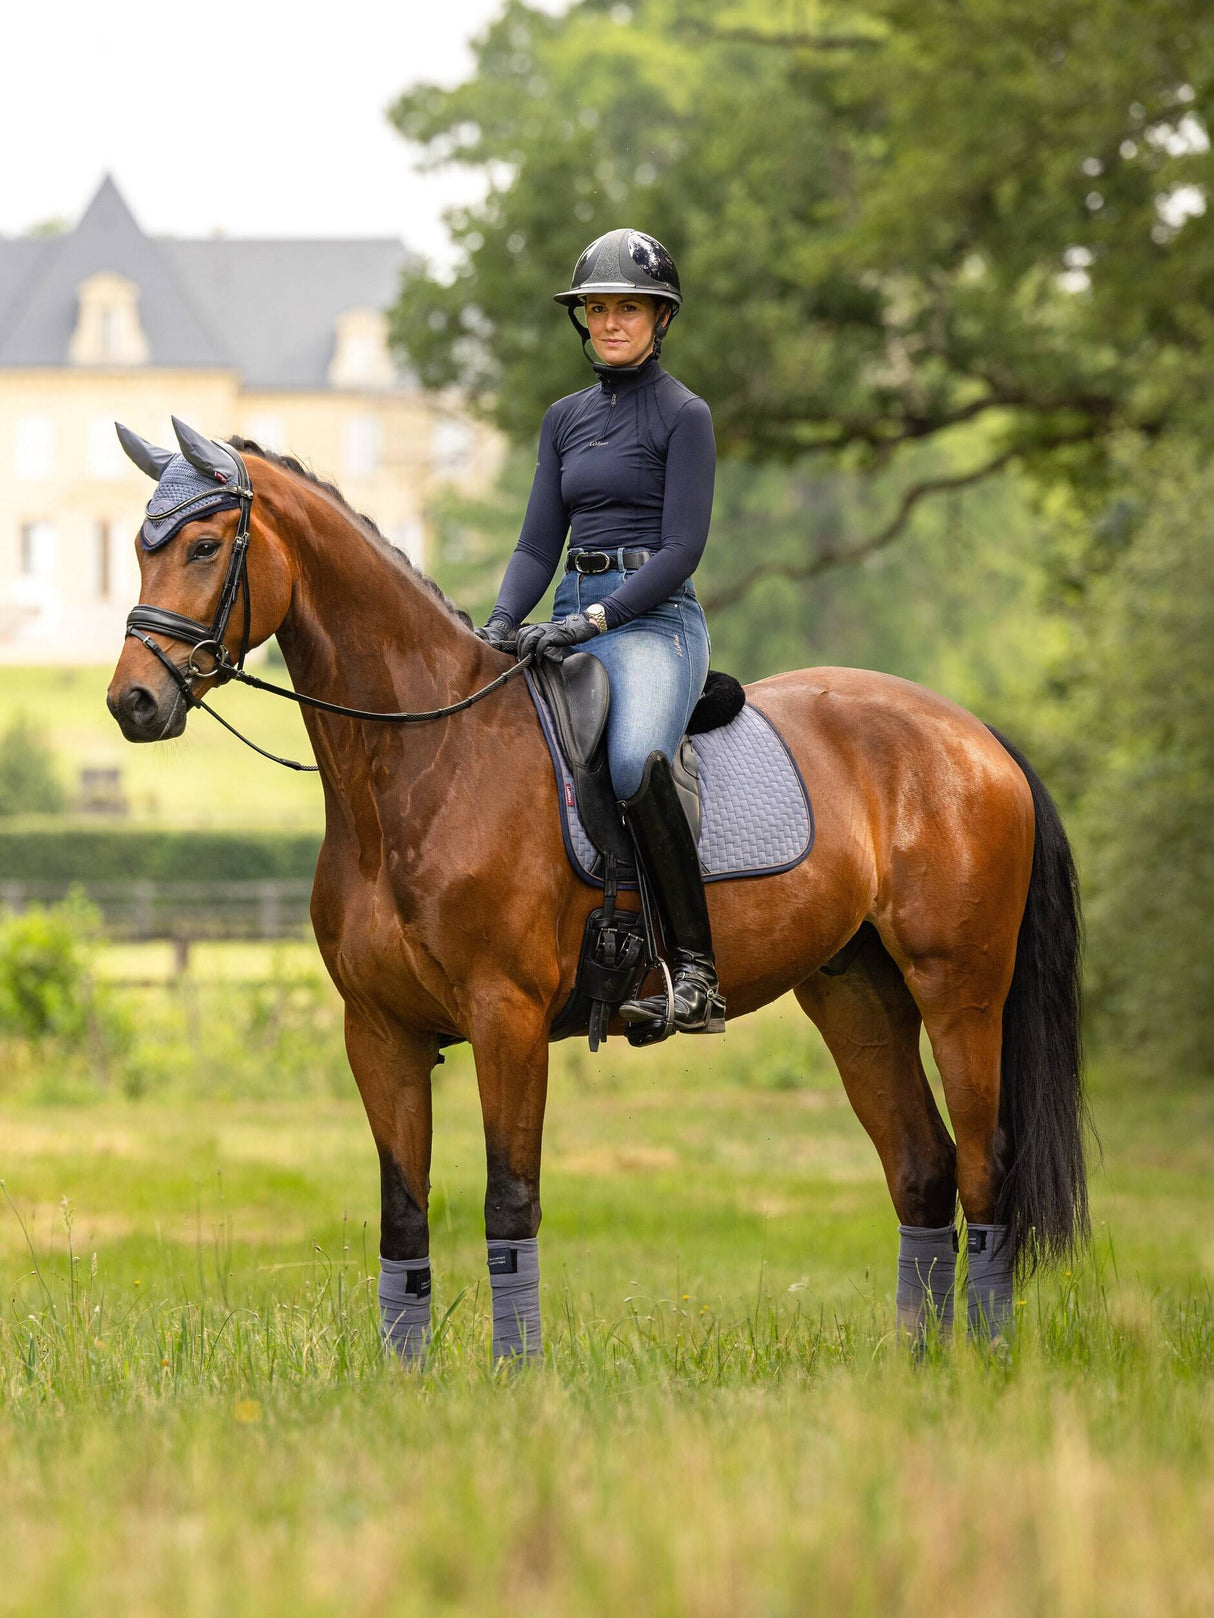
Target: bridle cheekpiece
<point>206,641</point>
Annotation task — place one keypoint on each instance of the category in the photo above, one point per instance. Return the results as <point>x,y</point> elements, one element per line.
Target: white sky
<point>263,118</point>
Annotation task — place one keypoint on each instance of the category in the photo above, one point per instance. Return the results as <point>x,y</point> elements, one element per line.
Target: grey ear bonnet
<point>202,478</point>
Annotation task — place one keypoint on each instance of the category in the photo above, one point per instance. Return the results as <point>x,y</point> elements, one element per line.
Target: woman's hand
<point>554,640</point>
<point>500,632</point>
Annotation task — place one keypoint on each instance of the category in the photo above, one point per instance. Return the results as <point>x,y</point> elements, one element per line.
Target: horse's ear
<point>147,457</point>
<point>207,457</point>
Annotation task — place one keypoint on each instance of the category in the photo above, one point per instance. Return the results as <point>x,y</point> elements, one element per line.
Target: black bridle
<point>145,620</point>
<point>208,638</point>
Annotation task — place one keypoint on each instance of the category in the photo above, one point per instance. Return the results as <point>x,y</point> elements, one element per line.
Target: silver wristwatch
<point>597,616</point>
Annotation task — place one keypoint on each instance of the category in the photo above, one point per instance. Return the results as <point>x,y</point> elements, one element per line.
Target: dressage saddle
<point>578,698</point>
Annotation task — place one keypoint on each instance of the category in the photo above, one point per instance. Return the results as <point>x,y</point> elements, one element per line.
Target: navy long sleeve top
<point>629,461</point>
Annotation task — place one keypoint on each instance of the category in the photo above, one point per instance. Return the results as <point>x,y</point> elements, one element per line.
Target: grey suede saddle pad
<point>756,815</point>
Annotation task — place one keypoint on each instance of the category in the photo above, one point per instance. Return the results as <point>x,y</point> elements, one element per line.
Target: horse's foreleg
<point>871,1026</point>
<point>511,1050</point>
<point>392,1066</point>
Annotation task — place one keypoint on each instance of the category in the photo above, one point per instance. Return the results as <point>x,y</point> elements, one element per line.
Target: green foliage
<point>29,780</point>
<point>51,1007</point>
<point>45,970</point>
<point>931,215</point>
<point>1142,705</point>
<point>107,854</point>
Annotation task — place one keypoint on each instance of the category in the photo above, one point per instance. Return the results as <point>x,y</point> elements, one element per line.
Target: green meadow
<point>200,779</point>
<point>195,1416</point>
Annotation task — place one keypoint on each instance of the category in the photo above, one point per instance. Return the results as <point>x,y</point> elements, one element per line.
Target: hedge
<point>99,854</point>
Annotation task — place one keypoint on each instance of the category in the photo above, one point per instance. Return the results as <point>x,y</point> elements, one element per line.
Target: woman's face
<point>621,326</point>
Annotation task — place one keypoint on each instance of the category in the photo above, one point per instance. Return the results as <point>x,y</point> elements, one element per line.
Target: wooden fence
<point>184,911</point>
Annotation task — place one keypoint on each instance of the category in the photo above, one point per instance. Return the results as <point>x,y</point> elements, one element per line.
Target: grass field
<point>205,778</point>
<point>195,1417</point>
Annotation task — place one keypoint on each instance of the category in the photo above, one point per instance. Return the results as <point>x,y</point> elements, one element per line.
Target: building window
<point>102,540</point>
<point>39,549</point>
<point>360,351</point>
<point>362,447</point>
<point>108,331</point>
<point>105,457</point>
<point>34,449</point>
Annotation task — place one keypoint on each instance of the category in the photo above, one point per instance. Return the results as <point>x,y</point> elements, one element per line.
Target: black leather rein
<point>144,620</point>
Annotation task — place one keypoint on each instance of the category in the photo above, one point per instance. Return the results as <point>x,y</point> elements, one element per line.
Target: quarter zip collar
<point>616,379</point>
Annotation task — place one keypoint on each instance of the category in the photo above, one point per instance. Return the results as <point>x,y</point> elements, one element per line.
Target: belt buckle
<point>599,557</point>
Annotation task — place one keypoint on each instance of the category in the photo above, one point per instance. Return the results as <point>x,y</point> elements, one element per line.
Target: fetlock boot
<point>667,851</point>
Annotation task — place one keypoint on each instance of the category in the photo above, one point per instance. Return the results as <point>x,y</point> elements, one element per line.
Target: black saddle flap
<point>578,695</point>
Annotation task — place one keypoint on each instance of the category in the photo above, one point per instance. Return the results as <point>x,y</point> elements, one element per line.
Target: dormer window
<point>360,351</point>
<point>108,331</point>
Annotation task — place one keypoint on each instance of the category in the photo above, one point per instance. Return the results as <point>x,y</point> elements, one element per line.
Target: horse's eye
<point>203,550</point>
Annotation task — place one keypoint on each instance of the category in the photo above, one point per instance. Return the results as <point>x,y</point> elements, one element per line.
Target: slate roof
<point>263,308</point>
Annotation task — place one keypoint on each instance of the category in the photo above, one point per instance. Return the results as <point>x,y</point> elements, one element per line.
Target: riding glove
<point>499,632</point>
<point>554,640</point>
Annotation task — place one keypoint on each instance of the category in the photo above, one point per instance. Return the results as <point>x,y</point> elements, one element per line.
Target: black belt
<point>604,561</point>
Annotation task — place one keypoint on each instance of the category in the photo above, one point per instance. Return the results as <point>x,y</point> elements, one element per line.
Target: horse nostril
<point>139,705</point>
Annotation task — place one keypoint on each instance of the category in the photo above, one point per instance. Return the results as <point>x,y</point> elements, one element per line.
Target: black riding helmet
<point>624,261</point>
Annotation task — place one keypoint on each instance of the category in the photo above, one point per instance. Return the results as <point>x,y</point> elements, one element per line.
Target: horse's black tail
<point>1043,1108</point>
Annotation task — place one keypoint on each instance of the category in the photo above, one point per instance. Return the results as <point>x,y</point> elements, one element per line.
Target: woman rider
<point>627,466</point>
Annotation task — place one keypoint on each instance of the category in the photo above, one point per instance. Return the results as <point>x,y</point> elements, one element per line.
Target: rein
<point>144,620</point>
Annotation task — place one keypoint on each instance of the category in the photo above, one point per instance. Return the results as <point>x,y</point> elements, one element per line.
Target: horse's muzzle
<point>145,717</point>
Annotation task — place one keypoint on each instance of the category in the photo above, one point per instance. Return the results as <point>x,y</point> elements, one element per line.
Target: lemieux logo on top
<point>597,443</point>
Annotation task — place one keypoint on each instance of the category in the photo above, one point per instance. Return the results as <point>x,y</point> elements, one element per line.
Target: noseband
<point>207,640</point>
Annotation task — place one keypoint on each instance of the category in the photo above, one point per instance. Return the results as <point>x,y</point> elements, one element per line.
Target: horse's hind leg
<point>962,1004</point>
<point>871,1026</point>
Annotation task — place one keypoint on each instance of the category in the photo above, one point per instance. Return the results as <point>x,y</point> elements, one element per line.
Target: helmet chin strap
<point>588,354</point>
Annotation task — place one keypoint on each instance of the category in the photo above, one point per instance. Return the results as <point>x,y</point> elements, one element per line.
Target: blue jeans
<point>656,665</point>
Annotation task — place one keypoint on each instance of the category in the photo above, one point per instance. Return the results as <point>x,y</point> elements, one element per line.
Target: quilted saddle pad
<point>757,819</point>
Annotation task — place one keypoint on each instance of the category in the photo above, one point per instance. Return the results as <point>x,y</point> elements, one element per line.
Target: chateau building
<point>280,341</point>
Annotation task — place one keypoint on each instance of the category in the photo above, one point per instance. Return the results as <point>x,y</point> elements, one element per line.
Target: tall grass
<point>204,1452</point>
<point>196,1416</point>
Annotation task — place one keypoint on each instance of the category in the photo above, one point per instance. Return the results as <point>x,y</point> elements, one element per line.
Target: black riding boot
<point>667,850</point>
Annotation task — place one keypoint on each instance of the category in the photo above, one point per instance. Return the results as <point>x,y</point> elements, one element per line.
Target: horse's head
<point>213,583</point>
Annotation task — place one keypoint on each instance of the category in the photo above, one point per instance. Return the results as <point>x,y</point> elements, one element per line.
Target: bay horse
<point>940,891</point>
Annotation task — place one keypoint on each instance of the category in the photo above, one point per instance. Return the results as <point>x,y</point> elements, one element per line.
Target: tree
<point>1139,697</point>
<point>917,217</point>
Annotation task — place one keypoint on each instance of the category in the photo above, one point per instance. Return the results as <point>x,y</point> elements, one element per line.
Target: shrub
<point>73,853</point>
<point>29,780</point>
<point>49,999</point>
